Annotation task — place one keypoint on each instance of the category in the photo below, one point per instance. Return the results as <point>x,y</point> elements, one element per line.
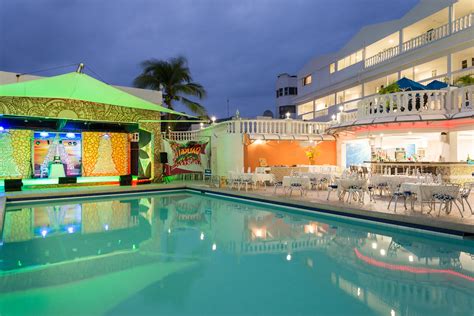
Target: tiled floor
<point>380,205</point>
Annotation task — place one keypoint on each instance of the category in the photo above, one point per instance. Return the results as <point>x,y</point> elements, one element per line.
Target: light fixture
<point>391,41</point>
<point>333,117</point>
<point>383,252</point>
<point>70,229</point>
<point>341,108</point>
<point>106,226</point>
<point>258,142</point>
<point>374,245</point>
<point>381,135</point>
<point>410,258</point>
<point>213,119</point>
<point>70,135</point>
<point>1,129</point>
<point>214,247</point>
<point>201,125</point>
<point>287,115</point>
<point>201,236</point>
<point>44,232</point>
<point>44,134</point>
<point>358,291</point>
<point>106,136</point>
<point>392,313</point>
<point>288,257</point>
<point>169,230</point>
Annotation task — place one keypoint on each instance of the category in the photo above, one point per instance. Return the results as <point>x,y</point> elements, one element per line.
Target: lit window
<point>332,68</point>
<point>307,80</point>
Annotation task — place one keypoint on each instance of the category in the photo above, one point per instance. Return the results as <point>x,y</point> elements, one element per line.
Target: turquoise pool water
<point>192,254</point>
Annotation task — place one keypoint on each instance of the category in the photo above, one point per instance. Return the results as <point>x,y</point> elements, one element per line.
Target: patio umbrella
<point>436,85</point>
<point>409,85</point>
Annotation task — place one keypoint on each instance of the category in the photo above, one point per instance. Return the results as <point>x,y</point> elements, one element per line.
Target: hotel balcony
<point>261,129</point>
<point>409,106</point>
<point>434,34</point>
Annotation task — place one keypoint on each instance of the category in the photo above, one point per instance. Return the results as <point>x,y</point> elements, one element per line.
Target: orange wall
<point>288,153</point>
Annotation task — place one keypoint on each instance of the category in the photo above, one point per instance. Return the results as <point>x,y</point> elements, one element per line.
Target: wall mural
<point>49,147</point>
<point>105,154</point>
<point>185,157</point>
<point>15,154</point>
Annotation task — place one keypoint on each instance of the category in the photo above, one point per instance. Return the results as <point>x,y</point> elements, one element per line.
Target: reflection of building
<point>67,231</point>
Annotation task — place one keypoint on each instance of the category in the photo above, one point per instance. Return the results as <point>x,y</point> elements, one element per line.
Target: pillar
<point>155,129</point>
<point>451,18</point>
<point>400,41</point>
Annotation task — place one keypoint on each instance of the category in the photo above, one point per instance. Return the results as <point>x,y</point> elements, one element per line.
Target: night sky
<point>234,48</point>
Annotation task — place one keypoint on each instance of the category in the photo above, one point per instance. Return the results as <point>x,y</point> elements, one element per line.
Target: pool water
<point>185,253</point>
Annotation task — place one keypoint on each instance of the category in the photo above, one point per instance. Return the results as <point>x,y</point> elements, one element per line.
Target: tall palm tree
<point>173,78</point>
<point>466,80</point>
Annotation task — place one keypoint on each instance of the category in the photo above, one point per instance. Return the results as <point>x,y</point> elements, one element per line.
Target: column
<point>400,41</point>
<point>450,58</point>
<point>155,129</point>
<point>451,18</point>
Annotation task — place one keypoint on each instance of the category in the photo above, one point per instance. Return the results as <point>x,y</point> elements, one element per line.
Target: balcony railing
<point>280,127</point>
<point>262,127</point>
<point>440,32</point>
<point>441,102</point>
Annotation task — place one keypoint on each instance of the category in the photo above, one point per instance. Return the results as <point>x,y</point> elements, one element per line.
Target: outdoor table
<point>343,185</point>
<point>424,191</point>
<point>288,180</point>
<point>263,177</point>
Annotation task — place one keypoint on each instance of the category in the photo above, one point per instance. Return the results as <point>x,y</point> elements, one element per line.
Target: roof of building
<point>79,86</point>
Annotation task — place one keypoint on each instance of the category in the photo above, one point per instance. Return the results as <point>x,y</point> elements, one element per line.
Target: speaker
<point>13,185</point>
<point>126,180</point>
<point>67,180</point>
<point>164,157</point>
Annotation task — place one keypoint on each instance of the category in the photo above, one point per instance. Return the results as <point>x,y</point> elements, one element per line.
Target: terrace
<point>410,106</point>
<point>432,35</point>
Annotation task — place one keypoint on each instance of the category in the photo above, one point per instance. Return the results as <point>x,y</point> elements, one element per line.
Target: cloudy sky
<point>234,48</point>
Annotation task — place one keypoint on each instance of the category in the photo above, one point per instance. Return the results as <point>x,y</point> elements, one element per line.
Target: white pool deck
<point>312,200</point>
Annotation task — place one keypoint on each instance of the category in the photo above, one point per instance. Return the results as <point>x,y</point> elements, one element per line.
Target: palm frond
<point>194,106</point>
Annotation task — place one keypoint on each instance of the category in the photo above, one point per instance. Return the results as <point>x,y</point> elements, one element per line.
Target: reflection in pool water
<point>192,254</point>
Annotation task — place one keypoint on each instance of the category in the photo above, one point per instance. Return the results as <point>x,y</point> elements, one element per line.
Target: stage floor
<point>80,180</point>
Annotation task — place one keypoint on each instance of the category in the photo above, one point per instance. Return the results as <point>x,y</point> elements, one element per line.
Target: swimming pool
<point>185,253</point>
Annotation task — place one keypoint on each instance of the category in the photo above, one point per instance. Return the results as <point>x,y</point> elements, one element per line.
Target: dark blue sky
<point>234,48</point>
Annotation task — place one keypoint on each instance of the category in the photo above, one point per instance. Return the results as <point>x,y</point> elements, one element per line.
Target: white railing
<point>413,103</point>
<point>382,56</point>
<point>460,100</point>
<point>245,126</point>
<point>440,32</point>
<point>280,127</point>
<point>183,136</point>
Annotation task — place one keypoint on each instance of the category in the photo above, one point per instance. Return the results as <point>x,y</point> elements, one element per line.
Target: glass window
<point>349,60</point>
<point>308,116</point>
<point>305,108</point>
<point>307,80</point>
<point>286,91</point>
<point>332,68</point>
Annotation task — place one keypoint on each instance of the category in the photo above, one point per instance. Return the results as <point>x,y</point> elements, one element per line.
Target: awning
<point>79,86</point>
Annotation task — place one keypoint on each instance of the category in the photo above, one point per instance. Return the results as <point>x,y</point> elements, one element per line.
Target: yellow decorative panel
<point>105,154</point>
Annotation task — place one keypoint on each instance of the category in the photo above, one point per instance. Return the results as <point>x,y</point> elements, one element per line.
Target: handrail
<point>440,102</point>
<point>440,32</point>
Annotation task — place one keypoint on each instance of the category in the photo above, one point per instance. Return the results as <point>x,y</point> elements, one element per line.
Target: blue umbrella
<point>406,84</point>
<point>436,85</point>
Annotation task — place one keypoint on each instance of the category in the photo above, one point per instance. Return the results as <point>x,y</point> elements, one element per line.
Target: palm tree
<point>466,80</point>
<point>173,78</point>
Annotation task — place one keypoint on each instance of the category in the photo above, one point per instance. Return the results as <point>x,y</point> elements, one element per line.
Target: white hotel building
<point>435,40</point>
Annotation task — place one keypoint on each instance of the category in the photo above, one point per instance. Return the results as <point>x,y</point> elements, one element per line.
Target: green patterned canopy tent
<point>79,86</point>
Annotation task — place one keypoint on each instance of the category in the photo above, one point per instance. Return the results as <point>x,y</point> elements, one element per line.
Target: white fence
<point>440,32</point>
<point>413,102</point>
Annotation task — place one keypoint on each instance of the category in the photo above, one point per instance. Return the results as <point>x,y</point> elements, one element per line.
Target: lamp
<point>287,115</point>
<point>213,119</point>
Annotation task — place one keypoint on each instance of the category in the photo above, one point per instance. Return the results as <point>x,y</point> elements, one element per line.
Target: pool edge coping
<point>464,231</point>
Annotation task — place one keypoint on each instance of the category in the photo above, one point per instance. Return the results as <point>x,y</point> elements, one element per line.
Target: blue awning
<point>406,84</point>
<point>436,85</point>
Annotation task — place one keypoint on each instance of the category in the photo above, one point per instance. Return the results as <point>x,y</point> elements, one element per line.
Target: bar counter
<point>454,172</point>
